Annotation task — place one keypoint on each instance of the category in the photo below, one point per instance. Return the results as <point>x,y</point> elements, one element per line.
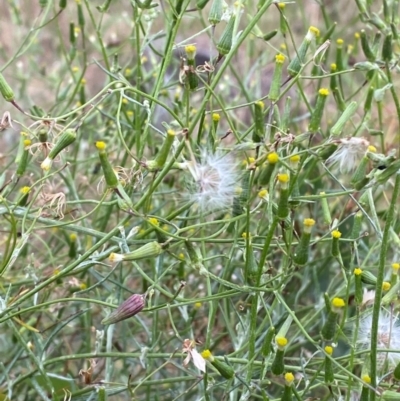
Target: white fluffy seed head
<point>216,178</point>
<point>388,336</point>
<point>349,153</point>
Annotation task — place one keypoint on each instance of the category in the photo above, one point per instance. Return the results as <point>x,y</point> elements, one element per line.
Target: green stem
<point>379,282</point>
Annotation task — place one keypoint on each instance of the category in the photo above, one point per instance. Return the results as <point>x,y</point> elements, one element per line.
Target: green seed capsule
<point>343,119</point>
<point>278,366</point>
<point>326,213</point>
<point>6,90</point>
<point>355,231</point>
<point>396,372</point>
<point>162,155</point>
<point>259,125</point>
<point>329,377</point>
<point>225,43</point>
<point>267,344</point>
<point>300,257</point>
<point>283,205</point>
<point>299,59</point>
<point>81,17</point>
<point>358,294</point>
<point>335,251</point>
<point>364,394</point>
<point>369,54</point>
<point>368,278</point>
<point>387,49</point>
<point>223,368</point>
<point>23,162</point>
<point>329,329</point>
<point>200,4</point>
<point>216,12</point>
<point>275,88</point>
<point>268,36</point>
<point>109,174</point>
<point>287,394</point>
<point>24,195</point>
<point>316,115</point>
<point>339,55</point>
<point>62,4</point>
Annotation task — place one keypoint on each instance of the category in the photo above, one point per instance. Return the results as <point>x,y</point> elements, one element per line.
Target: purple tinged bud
<point>132,306</point>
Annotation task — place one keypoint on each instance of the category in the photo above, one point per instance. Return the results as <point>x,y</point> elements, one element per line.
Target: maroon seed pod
<point>133,305</point>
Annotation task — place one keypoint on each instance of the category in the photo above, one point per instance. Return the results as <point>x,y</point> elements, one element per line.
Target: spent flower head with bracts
<point>349,153</point>
<point>388,336</point>
<point>216,178</point>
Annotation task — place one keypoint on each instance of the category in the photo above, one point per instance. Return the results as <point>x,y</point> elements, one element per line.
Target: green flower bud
<point>266,347</point>
<point>259,125</point>
<point>6,90</point>
<point>369,54</point>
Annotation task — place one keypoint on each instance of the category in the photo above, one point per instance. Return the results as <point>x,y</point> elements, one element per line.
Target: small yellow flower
<point>339,42</point>
<point>333,67</point>
<point>357,36</point>
<point>206,354</point>
<point>309,222</point>
<point>73,237</point>
<point>371,148</point>
<point>273,158</point>
<point>289,378</point>
<point>314,31</point>
<point>83,81</point>
<point>329,350</point>
<point>386,286</point>
<point>190,51</point>
<point>395,267</point>
<point>279,58</point>
<point>294,158</point>
<point>323,92</point>
<point>27,142</point>
<point>281,341</point>
<point>197,305</point>
<point>154,221</point>
<point>281,5</point>
<point>283,46</point>
<point>357,271</point>
<point>125,101</point>
<point>100,145</point>
<point>336,234</point>
<point>25,190</point>
<point>338,303</point>
<point>283,178</point>
<point>263,193</point>
<point>216,117</point>
<point>181,256</point>
<point>366,379</point>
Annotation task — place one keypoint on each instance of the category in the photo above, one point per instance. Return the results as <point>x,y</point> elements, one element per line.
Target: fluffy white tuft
<point>388,336</point>
<point>349,153</point>
<point>216,178</point>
